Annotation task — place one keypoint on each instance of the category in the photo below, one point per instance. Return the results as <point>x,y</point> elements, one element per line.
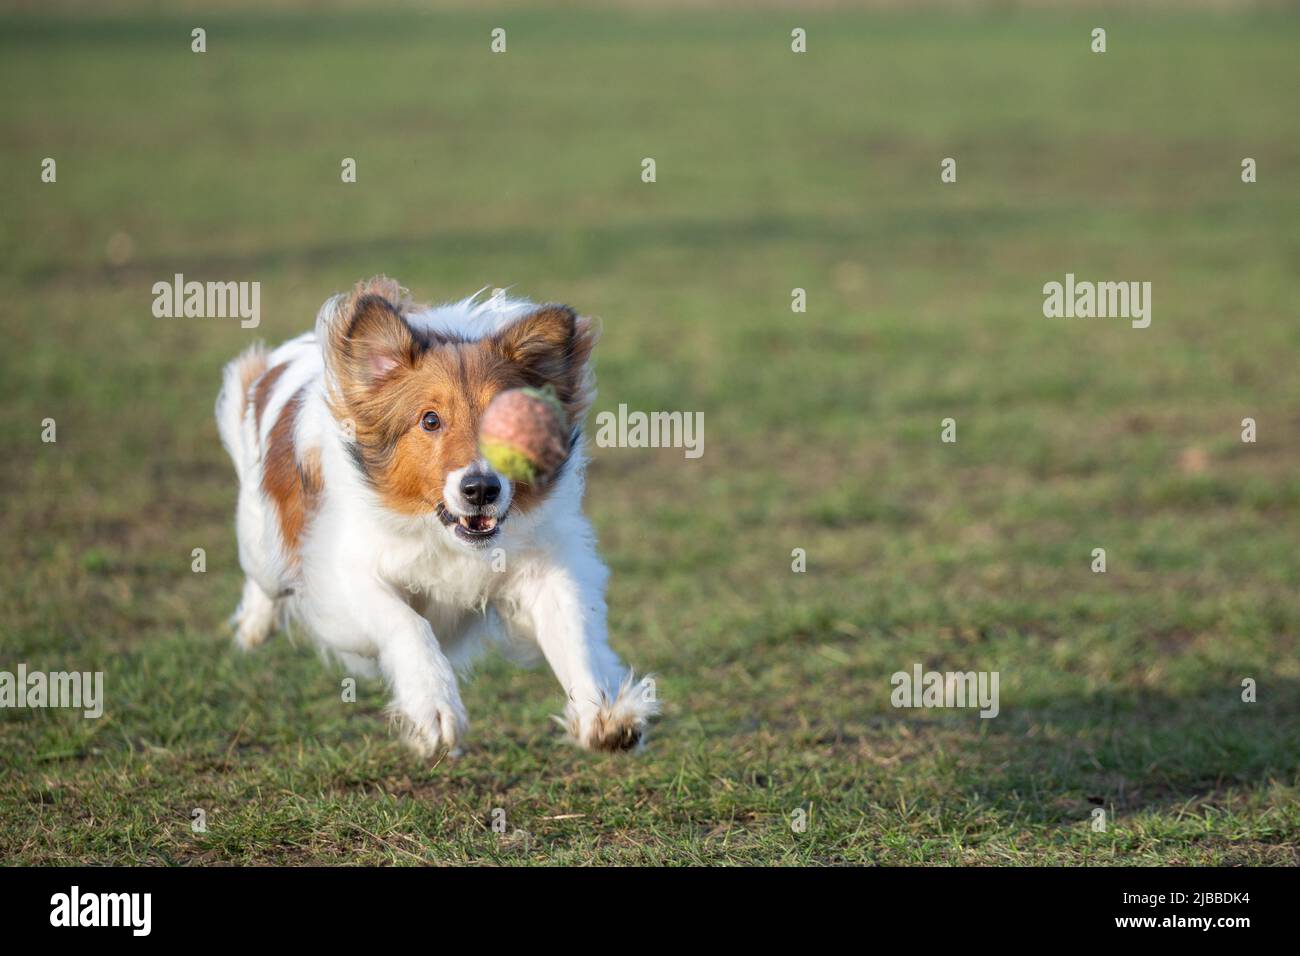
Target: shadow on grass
<point>1125,750</point>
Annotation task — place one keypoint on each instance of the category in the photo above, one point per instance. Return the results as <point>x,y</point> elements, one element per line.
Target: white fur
<point>406,597</point>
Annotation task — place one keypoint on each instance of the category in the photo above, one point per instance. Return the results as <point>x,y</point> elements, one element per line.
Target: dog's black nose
<point>480,490</point>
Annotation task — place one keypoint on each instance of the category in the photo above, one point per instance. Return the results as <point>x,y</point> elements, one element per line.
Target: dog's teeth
<point>478,524</point>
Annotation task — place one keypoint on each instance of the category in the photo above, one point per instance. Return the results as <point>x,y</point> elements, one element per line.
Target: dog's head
<point>413,399</point>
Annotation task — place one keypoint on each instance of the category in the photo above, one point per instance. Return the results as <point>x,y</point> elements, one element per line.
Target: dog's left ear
<point>540,342</point>
<point>553,346</point>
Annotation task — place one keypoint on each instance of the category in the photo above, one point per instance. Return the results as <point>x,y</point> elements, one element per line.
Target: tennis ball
<point>524,434</point>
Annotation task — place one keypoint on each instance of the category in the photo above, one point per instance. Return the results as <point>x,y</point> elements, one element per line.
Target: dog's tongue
<point>479,523</point>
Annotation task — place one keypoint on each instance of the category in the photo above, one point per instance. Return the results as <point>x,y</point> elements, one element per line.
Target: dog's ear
<point>552,346</point>
<point>540,342</point>
<point>364,336</point>
<point>377,341</point>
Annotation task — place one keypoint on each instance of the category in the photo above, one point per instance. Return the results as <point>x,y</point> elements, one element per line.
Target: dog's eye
<point>430,421</point>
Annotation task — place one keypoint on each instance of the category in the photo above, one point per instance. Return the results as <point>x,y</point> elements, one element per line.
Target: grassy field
<point>775,171</point>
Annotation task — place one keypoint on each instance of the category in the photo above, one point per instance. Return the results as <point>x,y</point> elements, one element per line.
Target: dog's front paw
<point>254,619</point>
<point>618,724</point>
<point>434,729</point>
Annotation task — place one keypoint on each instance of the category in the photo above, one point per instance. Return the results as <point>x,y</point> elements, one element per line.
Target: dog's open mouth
<point>475,528</point>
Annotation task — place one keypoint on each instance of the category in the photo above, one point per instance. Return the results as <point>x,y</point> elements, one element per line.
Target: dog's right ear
<point>364,337</point>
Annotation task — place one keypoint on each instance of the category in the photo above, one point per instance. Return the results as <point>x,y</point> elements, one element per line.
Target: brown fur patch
<point>386,376</point>
<point>251,365</point>
<point>262,392</point>
<point>293,484</point>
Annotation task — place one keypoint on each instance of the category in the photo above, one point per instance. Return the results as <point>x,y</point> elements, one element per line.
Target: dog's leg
<point>561,604</point>
<point>254,619</point>
<point>426,701</point>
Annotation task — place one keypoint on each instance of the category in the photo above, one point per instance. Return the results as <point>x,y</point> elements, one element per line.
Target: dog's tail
<point>232,401</point>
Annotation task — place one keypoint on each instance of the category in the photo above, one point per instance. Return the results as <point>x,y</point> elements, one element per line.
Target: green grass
<point>775,171</point>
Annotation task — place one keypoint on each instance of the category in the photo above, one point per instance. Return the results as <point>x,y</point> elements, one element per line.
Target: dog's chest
<point>448,583</point>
